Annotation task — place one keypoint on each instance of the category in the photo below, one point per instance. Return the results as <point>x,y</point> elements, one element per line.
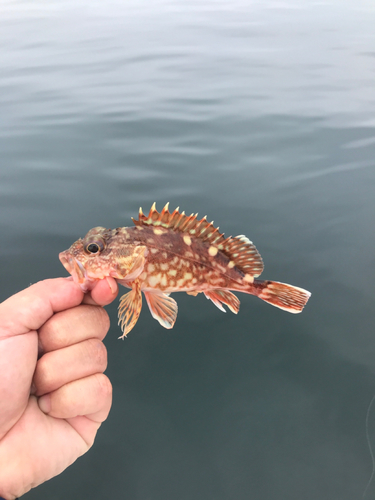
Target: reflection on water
<point>259,115</point>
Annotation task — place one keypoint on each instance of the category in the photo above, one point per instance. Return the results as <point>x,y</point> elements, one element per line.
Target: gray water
<point>260,115</point>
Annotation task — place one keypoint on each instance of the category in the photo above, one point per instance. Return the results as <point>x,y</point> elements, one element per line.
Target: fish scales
<point>174,263</point>
<point>171,252</point>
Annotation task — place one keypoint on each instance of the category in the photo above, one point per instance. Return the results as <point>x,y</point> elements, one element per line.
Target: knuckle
<point>104,385</point>
<point>100,316</point>
<point>97,352</point>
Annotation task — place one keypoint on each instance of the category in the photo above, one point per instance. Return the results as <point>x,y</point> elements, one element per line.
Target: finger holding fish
<point>104,292</point>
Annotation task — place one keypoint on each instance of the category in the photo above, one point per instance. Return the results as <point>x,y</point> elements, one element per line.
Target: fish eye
<point>94,247</point>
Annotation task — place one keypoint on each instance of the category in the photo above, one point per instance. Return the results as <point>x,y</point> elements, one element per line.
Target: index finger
<point>29,309</point>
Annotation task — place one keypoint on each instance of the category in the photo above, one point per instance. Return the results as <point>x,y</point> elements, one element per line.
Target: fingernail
<point>110,284</point>
<point>45,403</point>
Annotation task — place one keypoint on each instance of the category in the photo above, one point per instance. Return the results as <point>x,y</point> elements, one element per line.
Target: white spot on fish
<point>249,278</point>
<point>188,276</point>
<point>154,250</point>
<point>158,231</point>
<point>163,280</point>
<point>212,251</point>
<point>165,255</point>
<point>154,280</point>
<point>172,272</point>
<point>231,264</point>
<point>150,268</point>
<point>187,239</point>
<point>217,282</point>
<point>180,282</point>
<point>164,266</point>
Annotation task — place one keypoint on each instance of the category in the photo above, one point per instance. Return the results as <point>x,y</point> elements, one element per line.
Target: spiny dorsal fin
<point>240,250</point>
<point>182,223</point>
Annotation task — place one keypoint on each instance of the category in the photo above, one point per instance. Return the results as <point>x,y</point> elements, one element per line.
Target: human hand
<point>51,407</point>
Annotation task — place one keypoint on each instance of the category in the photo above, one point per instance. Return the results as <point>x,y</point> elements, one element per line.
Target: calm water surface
<point>260,115</point>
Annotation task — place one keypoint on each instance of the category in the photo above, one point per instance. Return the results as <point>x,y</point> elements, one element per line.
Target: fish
<point>166,252</point>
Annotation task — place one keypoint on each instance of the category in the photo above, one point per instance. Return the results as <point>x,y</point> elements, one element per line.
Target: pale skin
<point>53,392</point>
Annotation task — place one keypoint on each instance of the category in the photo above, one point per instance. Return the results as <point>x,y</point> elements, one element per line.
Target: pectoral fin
<point>129,309</point>
<point>163,308</point>
<point>220,297</point>
<point>130,265</point>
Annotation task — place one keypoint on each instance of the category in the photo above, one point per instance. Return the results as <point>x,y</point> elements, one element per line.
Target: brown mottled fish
<point>172,252</point>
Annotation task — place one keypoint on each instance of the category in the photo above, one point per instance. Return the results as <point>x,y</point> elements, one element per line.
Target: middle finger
<point>57,368</point>
<point>73,325</point>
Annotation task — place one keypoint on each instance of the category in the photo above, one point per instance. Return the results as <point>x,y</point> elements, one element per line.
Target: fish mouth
<point>76,269</point>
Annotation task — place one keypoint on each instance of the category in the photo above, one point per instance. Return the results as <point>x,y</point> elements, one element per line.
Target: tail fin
<point>287,297</point>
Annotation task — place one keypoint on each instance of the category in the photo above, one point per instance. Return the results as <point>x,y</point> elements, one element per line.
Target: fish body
<point>171,252</point>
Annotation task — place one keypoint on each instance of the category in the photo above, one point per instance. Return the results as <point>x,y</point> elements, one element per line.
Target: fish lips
<point>78,272</point>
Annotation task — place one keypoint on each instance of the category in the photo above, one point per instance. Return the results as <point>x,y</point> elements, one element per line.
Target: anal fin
<point>220,297</point>
<point>129,309</point>
<point>162,307</point>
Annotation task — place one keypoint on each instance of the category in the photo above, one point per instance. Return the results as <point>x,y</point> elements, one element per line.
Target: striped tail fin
<point>287,297</point>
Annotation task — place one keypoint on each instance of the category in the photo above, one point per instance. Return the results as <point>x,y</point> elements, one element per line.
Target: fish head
<point>103,253</point>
